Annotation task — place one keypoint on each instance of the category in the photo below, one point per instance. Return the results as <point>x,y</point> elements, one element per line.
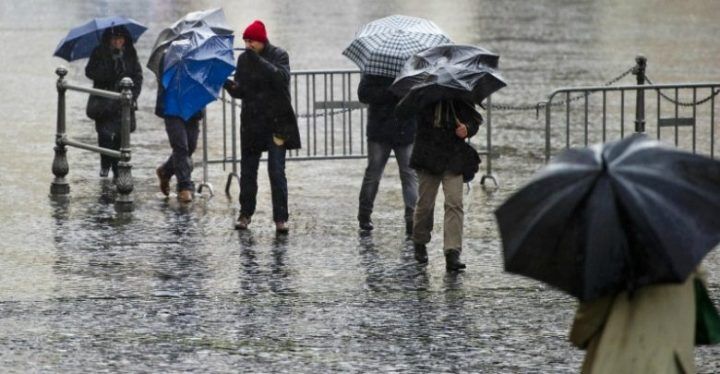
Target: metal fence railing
<point>60,167</point>
<point>331,120</point>
<point>602,113</point>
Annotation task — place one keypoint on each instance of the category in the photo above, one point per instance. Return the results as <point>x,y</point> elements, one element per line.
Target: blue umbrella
<point>195,69</point>
<point>80,41</point>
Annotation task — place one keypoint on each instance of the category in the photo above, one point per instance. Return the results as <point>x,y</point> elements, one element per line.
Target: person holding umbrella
<point>112,60</point>
<point>380,49</point>
<point>193,66</point>
<point>440,87</point>
<point>623,227</point>
<point>267,122</point>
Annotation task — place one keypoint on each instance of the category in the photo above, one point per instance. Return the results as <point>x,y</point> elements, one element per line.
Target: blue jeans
<point>183,138</point>
<point>249,164</point>
<point>378,154</point>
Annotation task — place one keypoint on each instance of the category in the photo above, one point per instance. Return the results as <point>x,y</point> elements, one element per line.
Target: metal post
<point>489,145</point>
<point>124,182</point>
<point>205,182</point>
<point>233,139</point>
<point>60,167</point>
<point>639,71</point>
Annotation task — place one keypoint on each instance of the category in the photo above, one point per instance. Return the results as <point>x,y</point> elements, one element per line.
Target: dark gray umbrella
<point>615,217</point>
<point>213,18</point>
<point>381,47</point>
<point>445,72</point>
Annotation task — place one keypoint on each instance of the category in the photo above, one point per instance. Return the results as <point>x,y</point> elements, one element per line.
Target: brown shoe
<point>164,181</point>
<point>185,196</point>
<point>242,222</point>
<point>282,227</point>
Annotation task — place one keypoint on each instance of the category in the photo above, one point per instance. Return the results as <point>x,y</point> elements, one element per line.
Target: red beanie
<point>256,31</point>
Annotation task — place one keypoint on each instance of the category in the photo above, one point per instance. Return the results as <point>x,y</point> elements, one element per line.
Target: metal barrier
<point>60,167</point>
<point>331,120</point>
<point>594,124</point>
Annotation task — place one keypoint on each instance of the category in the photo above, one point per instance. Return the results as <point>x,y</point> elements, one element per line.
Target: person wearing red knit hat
<point>267,122</point>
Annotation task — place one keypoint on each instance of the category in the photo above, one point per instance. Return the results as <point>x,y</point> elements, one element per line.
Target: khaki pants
<point>427,192</point>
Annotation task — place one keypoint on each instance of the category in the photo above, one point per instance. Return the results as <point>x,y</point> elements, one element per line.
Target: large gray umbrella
<point>213,18</point>
<point>381,47</point>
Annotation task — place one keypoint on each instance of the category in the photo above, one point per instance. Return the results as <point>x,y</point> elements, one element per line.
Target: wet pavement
<point>173,288</point>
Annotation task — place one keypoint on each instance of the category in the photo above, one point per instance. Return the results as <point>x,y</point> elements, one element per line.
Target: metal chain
<point>507,107</point>
<point>540,105</point>
<point>684,103</point>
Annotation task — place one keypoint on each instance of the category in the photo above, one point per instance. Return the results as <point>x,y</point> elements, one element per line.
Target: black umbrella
<point>613,217</point>
<point>213,18</point>
<point>447,71</point>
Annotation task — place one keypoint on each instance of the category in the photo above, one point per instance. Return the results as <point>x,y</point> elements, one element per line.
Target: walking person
<point>439,159</point>
<point>651,330</point>
<point>385,133</point>
<point>111,61</point>
<point>267,122</point>
<point>183,137</point>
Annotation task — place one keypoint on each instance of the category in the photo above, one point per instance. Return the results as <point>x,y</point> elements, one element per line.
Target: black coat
<point>262,82</point>
<point>106,71</point>
<point>437,149</point>
<point>383,126</point>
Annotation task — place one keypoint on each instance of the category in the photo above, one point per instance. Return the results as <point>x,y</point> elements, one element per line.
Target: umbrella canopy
<point>610,218</point>
<point>381,47</point>
<point>213,18</point>
<point>80,41</point>
<point>446,72</point>
<point>195,69</point>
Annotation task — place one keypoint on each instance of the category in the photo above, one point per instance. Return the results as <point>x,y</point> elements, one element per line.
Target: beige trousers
<point>428,185</point>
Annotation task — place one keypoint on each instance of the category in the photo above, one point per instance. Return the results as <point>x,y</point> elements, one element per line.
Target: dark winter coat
<point>383,126</point>
<point>107,69</point>
<point>262,82</point>
<point>437,149</point>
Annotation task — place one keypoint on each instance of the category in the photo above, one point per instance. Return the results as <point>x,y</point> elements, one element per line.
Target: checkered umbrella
<point>381,47</point>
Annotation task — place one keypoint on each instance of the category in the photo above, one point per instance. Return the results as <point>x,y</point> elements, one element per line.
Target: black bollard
<point>124,182</point>
<point>639,71</point>
<point>60,167</point>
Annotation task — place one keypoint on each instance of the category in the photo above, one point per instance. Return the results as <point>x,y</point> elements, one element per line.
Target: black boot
<point>408,228</point>
<point>452,260</point>
<point>421,253</point>
<point>365,222</point>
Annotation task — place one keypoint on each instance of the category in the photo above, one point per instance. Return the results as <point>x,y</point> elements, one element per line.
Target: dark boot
<point>365,222</point>
<point>421,253</point>
<point>242,222</point>
<point>163,181</point>
<point>452,260</point>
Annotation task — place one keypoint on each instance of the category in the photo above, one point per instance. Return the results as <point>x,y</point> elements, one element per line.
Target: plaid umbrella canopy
<point>381,47</point>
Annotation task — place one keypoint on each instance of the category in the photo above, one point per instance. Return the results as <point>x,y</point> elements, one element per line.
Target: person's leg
<point>378,154</point>
<point>428,185</point>
<point>249,163</point>
<point>105,140</point>
<point>408,179</point>
<point>181,164</point>
<point>278,184</point>
<point>453,221</point>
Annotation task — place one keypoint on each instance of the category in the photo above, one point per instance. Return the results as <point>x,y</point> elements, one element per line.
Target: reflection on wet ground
<point>173,288</point>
